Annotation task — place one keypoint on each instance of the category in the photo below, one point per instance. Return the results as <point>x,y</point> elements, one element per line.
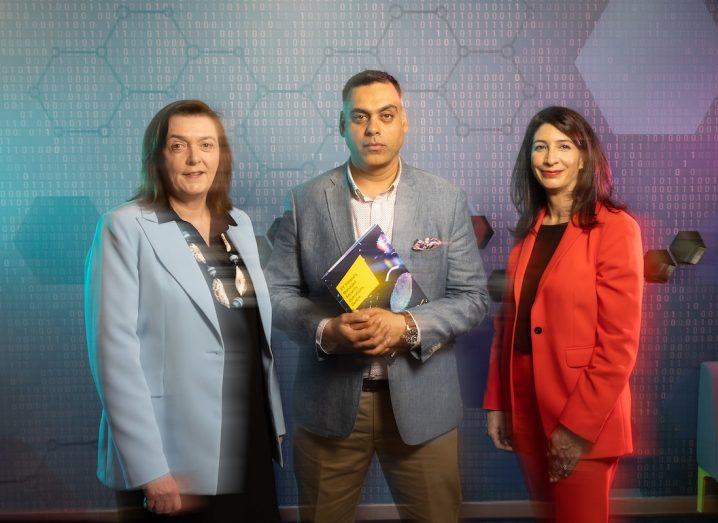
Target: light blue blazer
<point>156,351</point>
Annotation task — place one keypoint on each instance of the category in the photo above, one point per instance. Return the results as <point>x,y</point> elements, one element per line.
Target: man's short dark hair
<point>369,77</point>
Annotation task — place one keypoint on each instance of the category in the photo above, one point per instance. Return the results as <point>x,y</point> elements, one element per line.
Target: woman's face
<point>555,160</point>
<point>191,156</point>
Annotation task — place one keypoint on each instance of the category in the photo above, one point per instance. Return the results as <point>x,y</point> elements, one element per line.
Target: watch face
<point>410,336</point>
<point>411,339</point>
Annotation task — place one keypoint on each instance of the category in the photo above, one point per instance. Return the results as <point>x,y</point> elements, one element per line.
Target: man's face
<point>373,124</point>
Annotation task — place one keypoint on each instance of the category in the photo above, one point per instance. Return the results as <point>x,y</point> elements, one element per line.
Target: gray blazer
<point>315,231</point>
<point>156,351</point>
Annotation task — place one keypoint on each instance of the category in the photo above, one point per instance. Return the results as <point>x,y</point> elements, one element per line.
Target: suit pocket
<point>579,357</point>
<point>430,260</point>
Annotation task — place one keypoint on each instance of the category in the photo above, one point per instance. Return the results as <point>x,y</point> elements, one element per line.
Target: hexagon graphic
<point>332,74</point>
<point>658,266</point>
<point>482,230</point>
<point>419,47</point>
<point>78,92</point>
<point>147,50</point>
<point>688,247</point>
<point>282,54</point>
<point>284,130</point>
<point>652,65</point>
<point>54,237</point>
<point>224,82</point>
<point>496,94</point>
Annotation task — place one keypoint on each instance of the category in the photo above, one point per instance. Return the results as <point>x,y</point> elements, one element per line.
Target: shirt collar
<point>165,213</point>
<point>356,192</point>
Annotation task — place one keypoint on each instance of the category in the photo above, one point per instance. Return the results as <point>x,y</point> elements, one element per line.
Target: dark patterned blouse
<point>245,421</point>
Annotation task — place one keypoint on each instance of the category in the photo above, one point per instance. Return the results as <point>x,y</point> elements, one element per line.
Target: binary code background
<point>80,81</point>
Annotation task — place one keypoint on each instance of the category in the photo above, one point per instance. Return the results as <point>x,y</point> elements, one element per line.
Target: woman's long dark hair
<point>154,185</point>
<point>593,184</point>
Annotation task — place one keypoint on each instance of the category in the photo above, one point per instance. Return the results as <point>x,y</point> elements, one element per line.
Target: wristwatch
<point>410,336</point>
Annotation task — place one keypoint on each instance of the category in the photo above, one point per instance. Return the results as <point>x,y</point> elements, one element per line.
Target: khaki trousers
<point>424,479</point>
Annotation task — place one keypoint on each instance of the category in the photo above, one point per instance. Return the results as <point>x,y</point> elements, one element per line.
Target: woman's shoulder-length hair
<point>593,185</point>
<point>154,188</point>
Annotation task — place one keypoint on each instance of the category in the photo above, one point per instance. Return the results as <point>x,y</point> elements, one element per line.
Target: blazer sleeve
<point>619,289</point>
<point>466,299</point>
<point>111,312</point>
<point>292,310</point>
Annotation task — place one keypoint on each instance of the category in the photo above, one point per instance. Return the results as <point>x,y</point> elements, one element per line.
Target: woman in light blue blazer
<point>178,326</point>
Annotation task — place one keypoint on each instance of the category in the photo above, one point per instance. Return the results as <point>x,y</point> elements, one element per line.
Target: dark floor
<point>647,519</point>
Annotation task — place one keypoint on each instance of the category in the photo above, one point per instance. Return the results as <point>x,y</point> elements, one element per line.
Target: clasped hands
<point>371,332</point>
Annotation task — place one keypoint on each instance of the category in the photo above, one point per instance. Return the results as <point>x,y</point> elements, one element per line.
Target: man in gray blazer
<point>373,380</point>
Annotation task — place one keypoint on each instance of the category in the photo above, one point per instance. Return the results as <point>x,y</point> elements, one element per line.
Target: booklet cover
<point>371,274</point>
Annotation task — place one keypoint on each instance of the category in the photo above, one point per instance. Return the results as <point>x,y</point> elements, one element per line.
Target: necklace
<point>240,280</point>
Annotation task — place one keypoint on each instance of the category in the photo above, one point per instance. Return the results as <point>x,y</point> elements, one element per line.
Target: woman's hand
<point>162,495</point>
<point>565,449</point>
<point>497,429</point>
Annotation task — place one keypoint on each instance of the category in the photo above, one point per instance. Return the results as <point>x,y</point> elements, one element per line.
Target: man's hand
<point>372,332</point>
<point>394,326</point>
<point>162,495</point>
<point>354,331</point>
<point>498,430</point>
<point>565,449</point>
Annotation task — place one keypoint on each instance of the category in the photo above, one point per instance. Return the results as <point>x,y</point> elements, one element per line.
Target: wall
<point>80,81</point>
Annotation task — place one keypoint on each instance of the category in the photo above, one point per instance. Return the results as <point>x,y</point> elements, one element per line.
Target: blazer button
<point>538,330</point>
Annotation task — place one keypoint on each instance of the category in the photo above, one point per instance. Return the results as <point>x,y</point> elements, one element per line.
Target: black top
<point>245,417</point>
<point>547,240</point>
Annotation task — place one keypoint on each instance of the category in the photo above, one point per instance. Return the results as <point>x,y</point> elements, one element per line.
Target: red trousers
<point>582,497</point>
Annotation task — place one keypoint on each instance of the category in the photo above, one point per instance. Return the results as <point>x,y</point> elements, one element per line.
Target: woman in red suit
<point>567,337</point>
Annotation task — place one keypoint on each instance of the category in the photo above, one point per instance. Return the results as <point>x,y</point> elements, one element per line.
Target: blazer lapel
<point>242,236</point>
<point>171,250</point>
<point>337,194</point>
<point>405,208</point>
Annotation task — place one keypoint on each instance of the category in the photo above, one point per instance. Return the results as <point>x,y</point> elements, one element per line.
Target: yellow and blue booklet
<point>371,274</point>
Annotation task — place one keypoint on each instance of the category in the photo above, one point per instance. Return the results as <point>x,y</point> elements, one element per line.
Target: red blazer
<point>585,324</point>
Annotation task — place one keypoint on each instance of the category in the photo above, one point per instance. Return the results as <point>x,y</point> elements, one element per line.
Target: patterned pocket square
<point>426,244</point>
